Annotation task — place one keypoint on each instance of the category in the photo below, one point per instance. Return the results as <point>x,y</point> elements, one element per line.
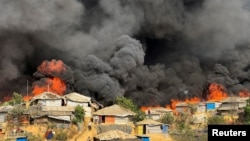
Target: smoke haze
<point>150,51</point>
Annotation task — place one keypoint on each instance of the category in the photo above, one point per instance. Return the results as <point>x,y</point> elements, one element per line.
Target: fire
<point>244,93</point>
<point>216,92</point>
<point>51,67</point>
<point>145,108</point>
<point>174,102</point>
<point>27,98</point>
<point>52,83</point>
<point>55,85</point>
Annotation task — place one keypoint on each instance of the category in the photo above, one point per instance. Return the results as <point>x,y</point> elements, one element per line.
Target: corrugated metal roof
<point>77,97</point>
<point>114,110</point>
<point>46,95</point>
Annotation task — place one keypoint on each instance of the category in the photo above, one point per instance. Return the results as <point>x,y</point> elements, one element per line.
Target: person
<point>89,125</point>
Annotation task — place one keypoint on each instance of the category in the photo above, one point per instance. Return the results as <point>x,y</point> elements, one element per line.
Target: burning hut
<point>232,105</point>
<point>157,113</point>
<point>46,99</point>
<point>181,107</point>
<point>114,114</point>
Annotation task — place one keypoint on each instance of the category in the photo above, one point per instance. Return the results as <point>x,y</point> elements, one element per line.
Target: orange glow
<point>27,98</point>
<point>216,92</point>
<point>244,93</point>
<point>145,108</point>
<point>50,67</point>
<point>55,85</point>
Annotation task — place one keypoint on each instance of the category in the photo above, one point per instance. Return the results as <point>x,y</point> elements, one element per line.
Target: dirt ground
<point>85,134</point>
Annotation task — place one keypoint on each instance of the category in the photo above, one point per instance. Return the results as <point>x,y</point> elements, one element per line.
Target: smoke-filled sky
<point>150,51</point>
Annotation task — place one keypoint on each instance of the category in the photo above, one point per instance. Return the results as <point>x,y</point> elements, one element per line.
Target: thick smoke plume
<point>150,51</point>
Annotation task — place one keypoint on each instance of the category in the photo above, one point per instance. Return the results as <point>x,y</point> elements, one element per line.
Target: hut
<point>114,114</point>
<point>148,126</point>
<point>47,99</point>
<point>115,135</point>
<point>74,99</point>
<point>212,105</point>
<point>201,107</point>
<point>157,113</point>
<point>181,107</point>
<point>231,105</point>
<point>4,110</point>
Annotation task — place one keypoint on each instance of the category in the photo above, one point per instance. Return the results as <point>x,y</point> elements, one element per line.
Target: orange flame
<point>145,108</point>
<point>55,85</point>
<point>27,98</point>
<point>216,92</point>
<point>244,93</point>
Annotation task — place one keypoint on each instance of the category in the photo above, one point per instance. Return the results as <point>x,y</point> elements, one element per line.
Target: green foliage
<point>216,120</point>
<point>140,115</point>
<point>79,114</point>
<point>61,135</point>
<point>17,111</point>
<point>16,99</point>
<point>189,135</point>
<point>129,104</point>
<point>168,118</point>
<point>246,114</point>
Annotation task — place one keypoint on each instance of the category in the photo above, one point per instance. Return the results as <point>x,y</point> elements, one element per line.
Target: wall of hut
<point>3,116</point>
<point>153,129</point>
<point>201,108</point>
<point>127,128</point>
<point>73,103</point>
<point>122,120</point>
<point>50,102</point>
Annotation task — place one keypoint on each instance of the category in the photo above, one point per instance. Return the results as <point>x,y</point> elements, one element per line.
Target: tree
<point>129,104</point>
<point>168,118</point>
<point>246,114</point>
<point>16,99</point>
<point>79,114</point>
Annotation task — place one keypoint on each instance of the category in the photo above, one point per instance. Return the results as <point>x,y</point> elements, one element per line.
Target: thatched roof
<point>46,95</point>
<point>114,134</point>
<point>148,122</point>
<point>77,97</point>
<point>114,110</point>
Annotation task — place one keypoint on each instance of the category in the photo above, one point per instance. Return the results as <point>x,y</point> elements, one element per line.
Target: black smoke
<point>150,51</point>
